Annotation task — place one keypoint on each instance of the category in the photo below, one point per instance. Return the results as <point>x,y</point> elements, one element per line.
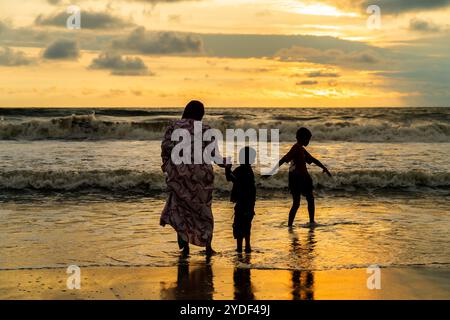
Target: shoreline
<point>208,282</point>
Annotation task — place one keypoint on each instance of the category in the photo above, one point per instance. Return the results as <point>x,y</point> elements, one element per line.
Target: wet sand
<point>210,282</point>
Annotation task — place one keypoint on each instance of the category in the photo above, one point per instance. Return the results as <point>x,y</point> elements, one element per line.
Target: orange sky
<point>134,53</point>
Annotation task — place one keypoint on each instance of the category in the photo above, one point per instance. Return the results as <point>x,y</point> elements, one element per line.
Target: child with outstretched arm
<point>300,182</point>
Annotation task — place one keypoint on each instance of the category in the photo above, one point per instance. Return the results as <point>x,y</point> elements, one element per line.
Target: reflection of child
<point>244,195</point>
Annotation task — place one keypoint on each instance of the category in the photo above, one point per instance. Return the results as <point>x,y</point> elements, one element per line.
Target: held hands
<point>226,163</point>
<point>270,173</point>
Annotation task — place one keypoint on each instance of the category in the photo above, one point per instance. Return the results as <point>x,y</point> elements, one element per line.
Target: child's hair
<point>247,155</point>
<point>303,134</point>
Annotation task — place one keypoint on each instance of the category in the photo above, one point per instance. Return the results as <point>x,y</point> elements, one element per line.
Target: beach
<point>123,253</point>
<point>85,189</point>
<point>229,150</point>
<point>207,283</point>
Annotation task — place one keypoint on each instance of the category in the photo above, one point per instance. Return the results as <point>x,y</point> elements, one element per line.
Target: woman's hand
<point>223,163</point>
<point>325,170</point>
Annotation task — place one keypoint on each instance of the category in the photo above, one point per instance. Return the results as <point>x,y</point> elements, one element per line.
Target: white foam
<point>132,180</point>
<point>92,128</point>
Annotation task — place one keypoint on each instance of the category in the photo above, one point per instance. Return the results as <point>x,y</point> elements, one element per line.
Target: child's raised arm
<point>229,174</point>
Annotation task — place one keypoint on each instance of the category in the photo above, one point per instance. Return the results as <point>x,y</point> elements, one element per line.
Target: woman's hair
<point>303,134</point>
<point>194,110</point>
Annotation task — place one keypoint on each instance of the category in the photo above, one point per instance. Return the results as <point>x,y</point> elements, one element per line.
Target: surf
<point>128,180</point>
<point>350,125</point>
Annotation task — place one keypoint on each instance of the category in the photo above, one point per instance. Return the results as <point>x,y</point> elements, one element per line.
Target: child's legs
<point>295,206</point>
<point>239,244</point>
<point>237,228</point>
<point>247,236</point>
<point>248,229</point>
<point>247,241</point>
<point>248,248</point>
<point>311,206</point>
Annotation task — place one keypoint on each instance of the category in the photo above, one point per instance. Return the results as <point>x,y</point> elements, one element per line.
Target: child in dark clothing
<point>300,182</point>
<point>244,195</point>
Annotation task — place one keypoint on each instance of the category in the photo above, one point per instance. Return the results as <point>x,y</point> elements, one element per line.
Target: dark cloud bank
<point>62,50</point>
<point>121,66</point>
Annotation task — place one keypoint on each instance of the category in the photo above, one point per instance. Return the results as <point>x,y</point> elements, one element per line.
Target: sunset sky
<point>227,53</point>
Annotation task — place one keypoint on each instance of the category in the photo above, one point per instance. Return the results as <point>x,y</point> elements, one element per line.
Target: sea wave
<point>133,180</point>
<point>91,127</point>
<point>84,127</point>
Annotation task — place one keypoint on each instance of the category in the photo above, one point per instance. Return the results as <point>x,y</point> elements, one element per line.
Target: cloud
<point>58,2</point>
<point>307,83</point>
<point>391,7</point>
<point>11,58</point>
<point>162,1</point>
<point>89,20</point>
<point>399,6</point>
<point>364,59</point>
<point>332,83</point>
<point>3,27</point>
<point>62,49</point>
<point>142,41</point>
<point>120,66</point>
<point>267,45</point>
<point>323,74</point>
<point>22,37</point>
<point>420,25</point>
<point>176,18</point>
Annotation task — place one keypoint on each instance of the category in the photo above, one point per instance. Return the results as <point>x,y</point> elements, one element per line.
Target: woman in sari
<point>189,186</point>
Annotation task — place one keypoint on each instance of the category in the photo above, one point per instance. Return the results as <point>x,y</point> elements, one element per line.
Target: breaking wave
<point>89,127</point>
<point>85,127</point>
<point>132,181</point>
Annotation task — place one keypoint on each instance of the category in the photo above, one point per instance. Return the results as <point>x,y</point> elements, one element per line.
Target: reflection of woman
<point>190,187</point>
<point>194,284</point>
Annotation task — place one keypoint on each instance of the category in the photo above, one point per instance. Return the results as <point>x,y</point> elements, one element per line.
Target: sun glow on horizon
<point>317,9</point>
<point>227,52</point>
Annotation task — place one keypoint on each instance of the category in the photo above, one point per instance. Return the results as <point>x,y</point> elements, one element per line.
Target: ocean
<point>85,187</point>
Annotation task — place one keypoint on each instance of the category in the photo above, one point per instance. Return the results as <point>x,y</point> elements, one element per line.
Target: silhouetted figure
<point>243,289</point>
<point>300,182</point>
<point>244,195</point>
<point>188,205</point>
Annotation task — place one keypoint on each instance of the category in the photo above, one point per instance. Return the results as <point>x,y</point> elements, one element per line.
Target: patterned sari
<point>190,188</point>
